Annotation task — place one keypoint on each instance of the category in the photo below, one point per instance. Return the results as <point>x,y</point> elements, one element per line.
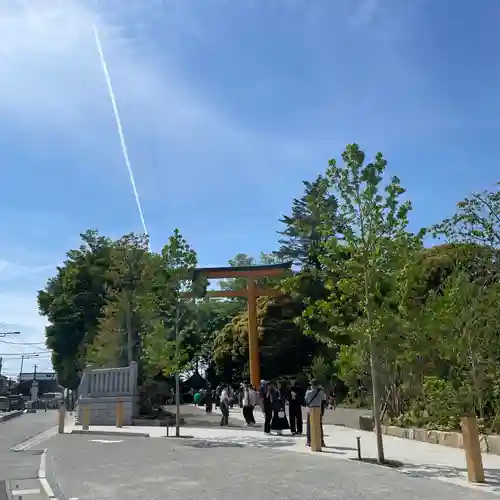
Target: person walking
<point>254,401</point>
<point>224,406</point>
<point>246,404</point>
<point>315,398</point>
<point>267,392</point>
<point>279,422</point>
<point>208,400</point>
<point>295,402</point>
<point>218,391</point>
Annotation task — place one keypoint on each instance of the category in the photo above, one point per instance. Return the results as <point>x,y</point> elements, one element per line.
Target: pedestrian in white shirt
<point>224,406</point>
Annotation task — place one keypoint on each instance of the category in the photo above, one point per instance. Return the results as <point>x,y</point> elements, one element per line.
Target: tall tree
<point>303,238</point>
<point>377,241</point>
<point>130,275</point>
<point>72,302</point>
<point>163,345</point>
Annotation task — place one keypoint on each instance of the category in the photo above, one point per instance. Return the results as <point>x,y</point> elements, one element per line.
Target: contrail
<point>119,128</point>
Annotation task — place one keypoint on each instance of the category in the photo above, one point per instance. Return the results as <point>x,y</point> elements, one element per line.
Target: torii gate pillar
<point>251,292</point>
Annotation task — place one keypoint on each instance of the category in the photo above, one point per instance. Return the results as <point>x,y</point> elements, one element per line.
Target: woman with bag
<point>279,422</point>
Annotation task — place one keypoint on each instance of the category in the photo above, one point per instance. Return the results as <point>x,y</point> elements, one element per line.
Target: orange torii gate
<point>251,292</point>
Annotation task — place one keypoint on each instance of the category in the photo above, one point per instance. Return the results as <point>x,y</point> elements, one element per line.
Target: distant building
<point>47,382</point>
<point>36,376</point>
<point>4,383</point>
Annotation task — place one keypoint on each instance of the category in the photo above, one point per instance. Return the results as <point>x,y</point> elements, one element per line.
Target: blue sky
<point>227,106</point>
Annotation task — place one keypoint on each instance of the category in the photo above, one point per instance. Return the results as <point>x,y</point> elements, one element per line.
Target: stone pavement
<point>418,459</point>
<point>127,468</point>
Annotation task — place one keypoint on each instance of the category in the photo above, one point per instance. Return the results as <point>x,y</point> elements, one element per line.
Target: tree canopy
<point>395,323</point>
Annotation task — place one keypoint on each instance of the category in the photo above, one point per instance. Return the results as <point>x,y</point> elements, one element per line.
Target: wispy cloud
<point>21,309</point>
<point>12,270</point>
<point>51,75</point>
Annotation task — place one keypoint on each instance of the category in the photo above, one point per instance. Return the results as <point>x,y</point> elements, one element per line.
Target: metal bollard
<point>61,418</point>
<point>86,417</point>
<point>358,442</point>
<point>119,414</point>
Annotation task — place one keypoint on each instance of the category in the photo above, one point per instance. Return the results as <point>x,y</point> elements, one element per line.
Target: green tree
<point>303,241</point>
<point>72,302</point>
<point>462,323</point>
<point>285,350</point>
<point>377,241</point>
<point>129,275</point>
<point>477,220</point>
<point>172,314</point>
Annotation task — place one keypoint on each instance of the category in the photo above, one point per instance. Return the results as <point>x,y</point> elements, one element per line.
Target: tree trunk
<point>376,399</point>
<point>374,370</point>
<point>130,334</point>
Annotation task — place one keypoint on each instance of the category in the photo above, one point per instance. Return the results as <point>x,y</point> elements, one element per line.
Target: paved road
<point>22,465</point>
<point>131,468</point>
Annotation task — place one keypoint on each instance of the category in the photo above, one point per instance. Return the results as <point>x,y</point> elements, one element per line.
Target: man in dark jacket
<point>295,401</point>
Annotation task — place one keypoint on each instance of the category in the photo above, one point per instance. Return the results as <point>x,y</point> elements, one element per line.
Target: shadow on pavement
<point>240,443</point>
<point>492,476</point>
<point>344,448</point>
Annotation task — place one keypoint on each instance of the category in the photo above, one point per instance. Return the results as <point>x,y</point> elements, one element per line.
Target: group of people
<point>274,400</point>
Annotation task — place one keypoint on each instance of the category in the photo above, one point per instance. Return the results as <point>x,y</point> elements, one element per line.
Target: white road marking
<point>105,441</point>
<point>42,477</point>
<point>28,443</point>
<point>31,491</point>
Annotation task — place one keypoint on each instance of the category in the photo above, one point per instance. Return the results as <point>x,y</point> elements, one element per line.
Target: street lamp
<point>177,374</point>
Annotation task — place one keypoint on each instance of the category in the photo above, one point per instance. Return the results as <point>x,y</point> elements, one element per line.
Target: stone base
<point>103,410</point>
<point>366,423</point>
<point>489,443</point>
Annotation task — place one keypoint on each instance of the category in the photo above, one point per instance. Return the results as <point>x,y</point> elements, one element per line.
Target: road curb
<point>11,415</point>
<point>110,433</point>
<point>42,477</point>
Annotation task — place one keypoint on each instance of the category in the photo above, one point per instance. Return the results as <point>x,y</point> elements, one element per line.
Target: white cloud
<point>50,74</point>
<point>11,270</point>
<point>19,313</point>
<point>21,309</point>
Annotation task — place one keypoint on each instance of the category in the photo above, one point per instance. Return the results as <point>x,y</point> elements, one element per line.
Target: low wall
<point>489,443</point>
<point>102,388</point>
<point>103,410</point>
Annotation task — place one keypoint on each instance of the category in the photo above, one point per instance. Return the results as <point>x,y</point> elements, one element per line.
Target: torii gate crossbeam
<point>251,292</point>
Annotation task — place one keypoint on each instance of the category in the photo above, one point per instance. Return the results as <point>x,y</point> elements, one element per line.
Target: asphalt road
<point>22,464</point>
<point>18,466</point>
<point>131,468</point>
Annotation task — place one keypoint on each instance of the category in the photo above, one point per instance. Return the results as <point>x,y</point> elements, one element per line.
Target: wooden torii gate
<point>251,292</point>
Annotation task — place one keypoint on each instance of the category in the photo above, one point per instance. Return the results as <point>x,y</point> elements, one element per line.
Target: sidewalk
<point>418,459</point>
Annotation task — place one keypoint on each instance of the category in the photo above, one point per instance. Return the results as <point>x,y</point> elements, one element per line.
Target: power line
<point>26,353</point>
<point>21,343</point>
